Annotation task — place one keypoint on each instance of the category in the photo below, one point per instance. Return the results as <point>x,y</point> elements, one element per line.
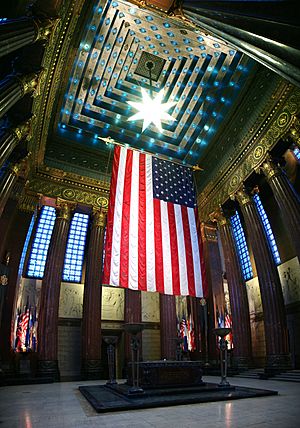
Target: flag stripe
<point>110,217</point>
<point>195,251</point>
<point>181,251</point>
<point>133,227</point>
<point>174,249</point>
<point>117,231</point>
<point>188,251</point>
<point>124,243</point>
<point>150,243</point>
<point>201,252</point>
<point>159,270</point>
<point>142,225</point>
<point>167,265</point>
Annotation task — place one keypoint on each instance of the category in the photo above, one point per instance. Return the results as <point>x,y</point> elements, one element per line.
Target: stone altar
<point>168,373</point>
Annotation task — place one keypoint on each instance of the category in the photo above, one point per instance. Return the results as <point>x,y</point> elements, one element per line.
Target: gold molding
<point>53,62</point>
<point>255,151</point>
<point>62,188</point>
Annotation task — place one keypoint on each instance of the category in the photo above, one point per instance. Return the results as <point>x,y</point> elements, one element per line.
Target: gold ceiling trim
<point>53,63</point>
<point>75,180</point>
<point>54,187</point>
<point>274,127</point>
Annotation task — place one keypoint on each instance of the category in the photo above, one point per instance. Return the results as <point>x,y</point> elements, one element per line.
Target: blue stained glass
<point>40,246</point>
<point>242,249</point>
<point>297,153</point>
<point>267,227</point>
<point>75,248</point>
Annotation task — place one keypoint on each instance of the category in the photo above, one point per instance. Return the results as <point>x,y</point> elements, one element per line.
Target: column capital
<point>44,28</point>
<point>270,169</point>
<point>64,209</point>
<point>219,217</point>
<point>28,203</point>
<point>242,196</point>
<point>30,82</point>
<point>23,129</point>
<point>99,217</point>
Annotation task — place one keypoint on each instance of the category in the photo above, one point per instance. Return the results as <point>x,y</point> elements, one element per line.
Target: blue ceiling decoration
<point>203,75</point>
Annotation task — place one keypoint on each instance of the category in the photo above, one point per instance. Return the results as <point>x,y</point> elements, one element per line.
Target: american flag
<point>152,240</point>
<point>22,326</point>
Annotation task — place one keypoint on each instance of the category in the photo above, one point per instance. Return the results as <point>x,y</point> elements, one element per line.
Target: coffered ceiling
<point>202,75</point>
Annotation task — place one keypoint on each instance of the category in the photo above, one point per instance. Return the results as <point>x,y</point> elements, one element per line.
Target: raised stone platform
<point>117,398</point>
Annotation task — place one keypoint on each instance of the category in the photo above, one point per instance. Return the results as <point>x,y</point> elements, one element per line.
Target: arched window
<point>75,248</point>
<point>241,246</point>
<point>40,246</point>
<point>267,228</point>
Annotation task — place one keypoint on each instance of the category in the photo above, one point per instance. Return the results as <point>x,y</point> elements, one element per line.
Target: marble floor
<point>60,405</point>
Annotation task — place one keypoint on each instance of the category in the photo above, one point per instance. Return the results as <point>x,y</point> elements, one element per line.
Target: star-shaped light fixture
<point>152,110</point>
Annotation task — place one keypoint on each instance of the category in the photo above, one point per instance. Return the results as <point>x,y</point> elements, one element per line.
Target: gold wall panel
<point>70,300</point>
<point>150,307</point>
<point>254,297</point>
<point>289,274</point>
<point>113,303</point>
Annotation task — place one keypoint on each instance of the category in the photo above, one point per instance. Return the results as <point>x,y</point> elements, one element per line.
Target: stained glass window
<point>75,248</point>
<point>296,152</point>
<point>241,245</point>
<point>267,228</point>
<point>40,246</point>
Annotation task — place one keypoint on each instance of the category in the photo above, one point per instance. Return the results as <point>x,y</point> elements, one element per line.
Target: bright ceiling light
<point>152,110</point>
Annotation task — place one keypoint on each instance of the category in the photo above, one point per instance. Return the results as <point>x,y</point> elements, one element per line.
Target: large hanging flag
<point>152,237</point>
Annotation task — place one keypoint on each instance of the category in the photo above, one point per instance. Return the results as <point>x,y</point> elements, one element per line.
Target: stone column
<point>133,314</point>
<point>49,300</point>
<point>276,334</point>
<point>7,183</point>
<point>91,319</point>
<point>287,199</point>
<point>237,295</point>
<point>14,87</point>
<point>11,139</point>
<point>16,33</point>
<point>214,278</point>
<point>168,326</point>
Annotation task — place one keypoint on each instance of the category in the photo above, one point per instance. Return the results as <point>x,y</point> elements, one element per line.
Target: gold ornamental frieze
<point>253,155</point>
<point>71,194</point>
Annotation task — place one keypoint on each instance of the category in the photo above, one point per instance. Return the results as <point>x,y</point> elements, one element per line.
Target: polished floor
<point>61,405</point>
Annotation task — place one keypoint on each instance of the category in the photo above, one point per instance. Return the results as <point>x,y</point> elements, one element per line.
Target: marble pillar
<point>14,87</point>
<point>133,314</point>
<point>215,297</point>
<point>237,295</point>
<point>11,139</point>
<point>287,200</point>
<point>91,319</point>
<point>168,327</point>
<point>8,180</point>
<point>49,301</point>
<point>275,324</point>
<point>20,32</point>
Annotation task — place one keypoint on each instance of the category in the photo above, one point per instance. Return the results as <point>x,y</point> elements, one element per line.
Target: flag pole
<point>110,140</point>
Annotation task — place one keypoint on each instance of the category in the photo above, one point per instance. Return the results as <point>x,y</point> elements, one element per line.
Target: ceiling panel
<point>201,74</point>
